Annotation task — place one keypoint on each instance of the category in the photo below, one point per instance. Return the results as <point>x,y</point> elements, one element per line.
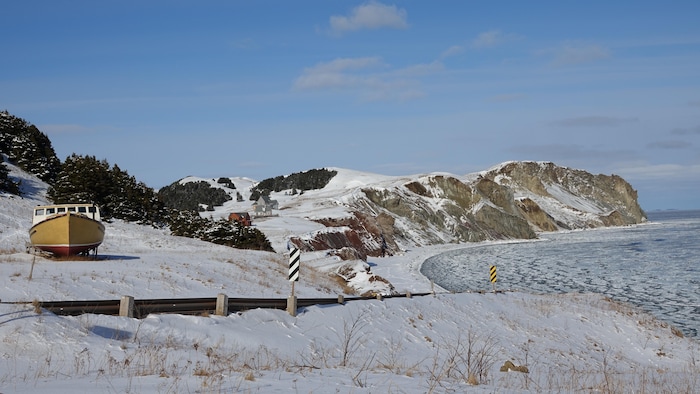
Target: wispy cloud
<point>574,54</point>
<point>369,77</point>
<point>337,73</point>
<point>370,16</point>
<point>492,38</point>
<point>487,39</point>
<point>452,51</point>
<point>593,121</point>
<point>420,69</point>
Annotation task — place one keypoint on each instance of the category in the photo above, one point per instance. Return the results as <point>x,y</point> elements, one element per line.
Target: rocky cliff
<point>514,200</point>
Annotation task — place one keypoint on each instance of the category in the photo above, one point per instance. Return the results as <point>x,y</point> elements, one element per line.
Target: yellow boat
<point>67,229</point>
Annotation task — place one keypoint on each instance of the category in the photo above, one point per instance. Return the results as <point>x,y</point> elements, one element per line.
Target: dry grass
<point>466,358</point>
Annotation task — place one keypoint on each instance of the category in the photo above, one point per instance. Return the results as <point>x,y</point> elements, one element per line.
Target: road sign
<point>294,260</point>
<point>492,276</point>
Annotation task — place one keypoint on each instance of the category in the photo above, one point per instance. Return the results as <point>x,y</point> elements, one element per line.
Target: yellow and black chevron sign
<point>492,271</point>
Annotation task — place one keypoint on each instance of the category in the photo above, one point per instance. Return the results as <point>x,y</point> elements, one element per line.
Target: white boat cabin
<point>43,212</point>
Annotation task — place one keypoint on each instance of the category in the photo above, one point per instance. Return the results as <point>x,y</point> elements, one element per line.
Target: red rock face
<point>351,238</point>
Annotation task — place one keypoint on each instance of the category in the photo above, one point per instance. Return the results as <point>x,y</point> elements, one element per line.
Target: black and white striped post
<point>294,262</point>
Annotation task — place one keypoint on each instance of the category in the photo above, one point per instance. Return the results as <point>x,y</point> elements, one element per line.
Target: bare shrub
<point>351,338</point>
<point>37,307</point>
<point>465,358</point>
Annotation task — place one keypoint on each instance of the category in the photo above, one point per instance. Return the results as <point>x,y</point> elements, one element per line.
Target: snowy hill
<point>363,212</point>
<point>442,343</point>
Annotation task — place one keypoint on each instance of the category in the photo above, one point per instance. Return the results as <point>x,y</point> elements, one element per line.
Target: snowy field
<point>443,343</point>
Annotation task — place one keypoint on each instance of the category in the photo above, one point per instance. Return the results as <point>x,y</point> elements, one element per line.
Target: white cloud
<point>335,73</point>
<point>570,55</point>
<point>452,51</point>
<point>489,39</point>
<point>372,15</point>
<point>421,69</point>
<point>369,77</point>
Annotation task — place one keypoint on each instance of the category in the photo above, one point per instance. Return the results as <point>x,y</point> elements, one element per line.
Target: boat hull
<point>67,234</point>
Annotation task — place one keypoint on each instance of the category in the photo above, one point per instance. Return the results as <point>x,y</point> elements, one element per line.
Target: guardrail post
<point>126,306</point>
<point>408,294</point>
<point>379,296</point>
<point>341,299</point>
<point>292,305</point>
<point>221,305</point>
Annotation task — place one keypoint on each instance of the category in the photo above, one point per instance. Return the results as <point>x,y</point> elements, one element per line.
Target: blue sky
<point>167,89</point>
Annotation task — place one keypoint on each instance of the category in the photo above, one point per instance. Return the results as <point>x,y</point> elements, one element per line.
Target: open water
<point>655,266</point>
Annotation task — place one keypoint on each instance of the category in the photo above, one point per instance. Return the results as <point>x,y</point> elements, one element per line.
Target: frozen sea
<point>655,266</point>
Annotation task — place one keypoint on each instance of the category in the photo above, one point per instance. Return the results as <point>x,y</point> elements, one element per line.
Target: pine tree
<point>7,184</point>
<point>28,148</point>
<point>119,195</point>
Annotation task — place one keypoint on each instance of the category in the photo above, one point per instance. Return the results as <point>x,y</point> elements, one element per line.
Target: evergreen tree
<point>28,148</point>
<point>309,180</point>
<point>119,195</point>
<point>192,196</point>
<point>222,232</point>
<point>82,179</point>
<point>7,184</point>
<point>251,238</point>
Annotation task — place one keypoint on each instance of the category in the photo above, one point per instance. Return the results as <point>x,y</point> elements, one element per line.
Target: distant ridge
<point>360,214</point>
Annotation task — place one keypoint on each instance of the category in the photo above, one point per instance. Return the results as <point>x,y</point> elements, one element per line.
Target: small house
<point>241,217</point>
<point>264,206</point>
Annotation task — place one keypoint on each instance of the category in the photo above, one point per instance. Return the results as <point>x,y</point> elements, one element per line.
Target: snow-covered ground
<point>441,343</point>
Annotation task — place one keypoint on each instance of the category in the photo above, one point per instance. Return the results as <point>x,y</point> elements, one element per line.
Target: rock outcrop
<point>514,200</point>
<point>570,198</point>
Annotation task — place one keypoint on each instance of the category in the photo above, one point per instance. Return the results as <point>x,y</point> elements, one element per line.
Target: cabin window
<point>50,211</point>
<point>39,212</point>
<point>92,209</point>
<point>71,209</point>
<point>82,209</point>
<point>61,210</point>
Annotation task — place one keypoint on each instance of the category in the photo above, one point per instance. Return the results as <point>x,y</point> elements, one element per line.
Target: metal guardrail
<point>189,306</point>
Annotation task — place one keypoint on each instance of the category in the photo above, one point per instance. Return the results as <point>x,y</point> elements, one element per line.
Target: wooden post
<point>221,305</point>
<point>126,306</point>
<point>341,299</point>
<point>408,294</point>
<point>292,305</point>
<point>31,271</point>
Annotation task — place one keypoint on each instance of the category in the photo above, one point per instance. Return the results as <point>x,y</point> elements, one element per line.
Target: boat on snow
<point>66,229</point>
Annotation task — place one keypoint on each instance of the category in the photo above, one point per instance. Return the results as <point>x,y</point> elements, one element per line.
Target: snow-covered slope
<point>362,211</point>
<point>442,343</point>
